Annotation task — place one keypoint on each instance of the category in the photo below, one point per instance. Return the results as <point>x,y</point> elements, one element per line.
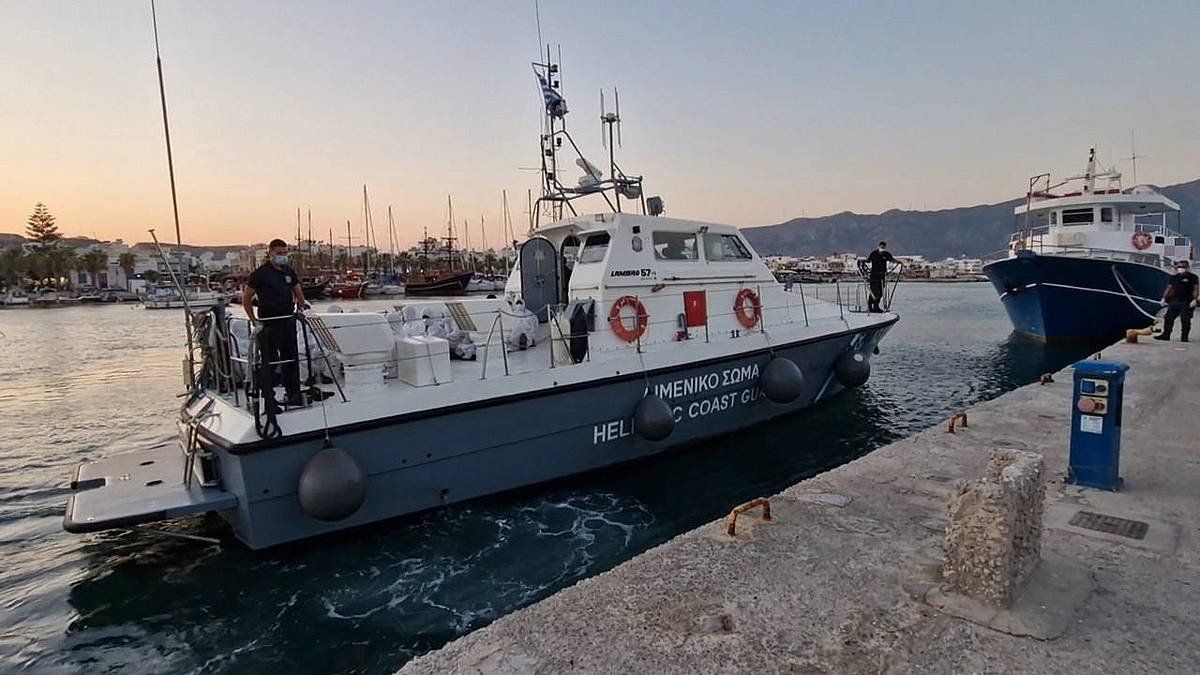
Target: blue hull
<point>1059,298</point>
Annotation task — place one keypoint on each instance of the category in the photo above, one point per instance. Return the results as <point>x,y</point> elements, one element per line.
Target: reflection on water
<point>370,600</point>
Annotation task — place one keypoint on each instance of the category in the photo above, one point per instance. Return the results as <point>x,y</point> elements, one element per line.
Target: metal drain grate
<point>1123,527</point>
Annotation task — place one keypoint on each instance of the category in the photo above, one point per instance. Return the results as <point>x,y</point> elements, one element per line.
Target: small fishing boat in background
<point>167,296</point>
<point>15,298</point>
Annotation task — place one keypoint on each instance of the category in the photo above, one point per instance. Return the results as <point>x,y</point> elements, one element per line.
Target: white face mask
<point>280,259</point>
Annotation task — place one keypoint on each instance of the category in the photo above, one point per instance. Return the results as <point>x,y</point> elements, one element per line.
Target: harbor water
<point>81,383</point>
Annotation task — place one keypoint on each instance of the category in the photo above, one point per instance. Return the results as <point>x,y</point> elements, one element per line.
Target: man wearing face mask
<point>277,288</point>
<point>879,260</point>
<point>1180,300</point>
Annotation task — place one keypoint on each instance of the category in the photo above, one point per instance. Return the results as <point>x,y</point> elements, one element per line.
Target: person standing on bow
<point>879,259</point>
<point>1180,301</point>
<point>276,286</point>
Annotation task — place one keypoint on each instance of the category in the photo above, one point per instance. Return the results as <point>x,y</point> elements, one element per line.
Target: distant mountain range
<point>971,230</point>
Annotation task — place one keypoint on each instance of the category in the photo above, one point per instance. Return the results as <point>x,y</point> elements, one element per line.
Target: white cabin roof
<point>1138,200</point>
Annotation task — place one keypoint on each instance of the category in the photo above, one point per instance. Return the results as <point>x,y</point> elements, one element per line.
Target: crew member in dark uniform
<point>277,288</point>
<point>879,260</point>
<point>1180,299</point>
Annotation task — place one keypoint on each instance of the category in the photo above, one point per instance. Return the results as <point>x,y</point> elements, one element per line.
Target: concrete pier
<point>848,575</point>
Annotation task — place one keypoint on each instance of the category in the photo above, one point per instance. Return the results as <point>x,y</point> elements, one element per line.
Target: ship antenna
<point>162,96</point>
<point>1133,157</point>
<point>537,12</point>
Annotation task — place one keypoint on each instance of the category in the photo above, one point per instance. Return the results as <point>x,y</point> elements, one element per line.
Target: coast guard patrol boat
<point>620,335</point>
<point>1087,263</point>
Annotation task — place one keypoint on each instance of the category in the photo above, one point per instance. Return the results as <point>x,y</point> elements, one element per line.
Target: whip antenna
<point>162,95</point>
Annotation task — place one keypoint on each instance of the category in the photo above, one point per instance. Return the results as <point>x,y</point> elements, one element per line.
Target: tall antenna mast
<point>162,96</point>
<point>1133,157</point>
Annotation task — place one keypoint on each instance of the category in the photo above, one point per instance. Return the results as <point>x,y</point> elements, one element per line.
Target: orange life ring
<point>618,324</point>
<point>739,308</point>
<point>1142,240</point>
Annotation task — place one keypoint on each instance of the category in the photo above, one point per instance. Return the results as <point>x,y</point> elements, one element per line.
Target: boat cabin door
<point>540,280</point>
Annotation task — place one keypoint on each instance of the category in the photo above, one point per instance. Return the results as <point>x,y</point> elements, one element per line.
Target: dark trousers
<point>876,294</point>
<point>277,342</point>
<point>1183,311</point>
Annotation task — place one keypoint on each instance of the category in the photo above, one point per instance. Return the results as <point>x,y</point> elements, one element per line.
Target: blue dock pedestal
<point>1096,424</point>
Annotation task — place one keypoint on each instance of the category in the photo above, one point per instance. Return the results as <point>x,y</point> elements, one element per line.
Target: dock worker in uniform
<point>879,259</point>
<point>277,288</point>
<point>1180,299</point>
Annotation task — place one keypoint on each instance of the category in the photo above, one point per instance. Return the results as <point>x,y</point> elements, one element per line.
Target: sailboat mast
<point>349,244</point>
<point>162,96</point>
<point>366,231</point>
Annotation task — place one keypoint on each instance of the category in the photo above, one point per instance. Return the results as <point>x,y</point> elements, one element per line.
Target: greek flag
<point>556,105</point>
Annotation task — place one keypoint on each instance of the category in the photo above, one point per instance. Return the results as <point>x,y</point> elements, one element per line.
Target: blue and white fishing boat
<point>1087,264</point>
<point>620,335</point>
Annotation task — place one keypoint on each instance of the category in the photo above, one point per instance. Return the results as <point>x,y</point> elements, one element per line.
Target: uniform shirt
<point>879,260</point>
<point>1183,287</point>
<point>274,289</point>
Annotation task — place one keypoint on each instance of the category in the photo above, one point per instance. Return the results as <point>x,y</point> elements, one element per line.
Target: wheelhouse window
<point>594,248</point>
<point>723,247</point>
<point>1106,214</point>
<point>1076,216</point>
<point>675,245</point>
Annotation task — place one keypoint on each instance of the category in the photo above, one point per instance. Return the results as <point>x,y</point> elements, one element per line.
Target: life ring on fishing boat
<point>751,319</point>
<point>1018,246</point>
<point>641,319</point>
<point>1142,240</point>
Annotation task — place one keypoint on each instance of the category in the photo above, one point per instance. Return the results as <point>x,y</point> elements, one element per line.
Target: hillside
<point>970,230</point>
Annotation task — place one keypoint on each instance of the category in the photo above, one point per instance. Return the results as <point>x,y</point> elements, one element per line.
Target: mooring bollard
<point>731,519</point>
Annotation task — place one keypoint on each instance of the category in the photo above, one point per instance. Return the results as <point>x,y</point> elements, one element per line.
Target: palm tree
<point>94,262</point>
<point>127,261</point>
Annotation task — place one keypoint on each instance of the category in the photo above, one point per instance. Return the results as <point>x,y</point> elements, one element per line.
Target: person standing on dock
<point>277,287</point>
<point>1180,300</point>
<point>879,259</point>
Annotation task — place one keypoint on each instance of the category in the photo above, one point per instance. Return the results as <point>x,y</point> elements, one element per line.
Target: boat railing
<point>230,351</point>
<point>1036,244</point>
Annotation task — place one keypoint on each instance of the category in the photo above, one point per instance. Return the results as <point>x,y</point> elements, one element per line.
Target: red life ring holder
<point>618,324</point>
<point>1142,240</point>
<point>751,319</point>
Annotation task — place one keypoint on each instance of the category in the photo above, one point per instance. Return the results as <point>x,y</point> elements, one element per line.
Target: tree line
<point>47,262</point>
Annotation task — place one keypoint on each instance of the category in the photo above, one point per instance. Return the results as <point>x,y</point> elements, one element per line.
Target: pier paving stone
<point>841,588</point>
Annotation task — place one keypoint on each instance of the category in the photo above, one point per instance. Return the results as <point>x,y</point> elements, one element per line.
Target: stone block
<point>994,537</point>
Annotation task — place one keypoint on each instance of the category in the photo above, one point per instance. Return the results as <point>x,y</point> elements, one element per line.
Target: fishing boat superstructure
<point>168,296</point>
<point>619,336</point>
<point>1088,263</point>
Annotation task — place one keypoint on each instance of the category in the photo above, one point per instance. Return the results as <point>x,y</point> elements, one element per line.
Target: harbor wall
<point>848,576</point>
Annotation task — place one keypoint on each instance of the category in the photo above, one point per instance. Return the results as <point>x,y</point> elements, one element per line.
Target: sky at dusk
<point>745,113</point>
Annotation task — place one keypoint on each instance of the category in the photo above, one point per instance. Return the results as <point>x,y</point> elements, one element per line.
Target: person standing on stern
<point>1180,301</point>
<point>276,286</point>
<point>879,260</point>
